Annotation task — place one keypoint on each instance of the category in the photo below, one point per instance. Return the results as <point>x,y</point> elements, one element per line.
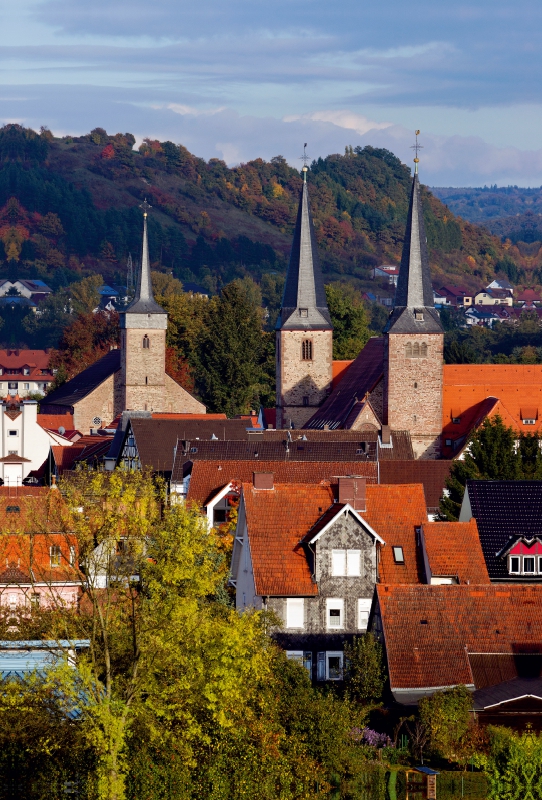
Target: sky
<point>242,79</point>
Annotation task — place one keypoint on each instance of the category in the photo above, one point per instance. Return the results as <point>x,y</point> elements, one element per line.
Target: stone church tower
<point>414,341</point>
<point>142,378</point>
<point>304,334</point>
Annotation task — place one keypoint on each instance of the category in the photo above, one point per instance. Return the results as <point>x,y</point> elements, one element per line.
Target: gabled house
<point>509,520</point>
<point>312,554</point>
<point>486,638</point>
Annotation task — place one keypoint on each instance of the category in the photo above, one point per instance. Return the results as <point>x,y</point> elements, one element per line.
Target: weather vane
<point>304,159</point>
<point>145,206</point>
<point>416,147</point>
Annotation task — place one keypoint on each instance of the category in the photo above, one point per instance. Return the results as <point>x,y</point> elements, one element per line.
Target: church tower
<point>142,379</point>
<point>414,342</point>
<point>304,334</point>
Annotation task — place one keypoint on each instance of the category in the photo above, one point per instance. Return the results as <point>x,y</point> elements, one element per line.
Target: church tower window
<point>306,350</point>
<point>423,350</point>
<point>146,342</point>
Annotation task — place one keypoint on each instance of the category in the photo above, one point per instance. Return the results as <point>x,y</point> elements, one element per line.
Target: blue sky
<point>238,79</point>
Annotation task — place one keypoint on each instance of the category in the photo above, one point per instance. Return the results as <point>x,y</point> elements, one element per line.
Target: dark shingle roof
<point>361,377</point>
<point>71,392</point>
<point>504,510</point>
<point>432,474</point>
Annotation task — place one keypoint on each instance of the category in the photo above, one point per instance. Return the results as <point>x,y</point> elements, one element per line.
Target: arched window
<point>146,342</point>
<point>416,350</point>
<point>306,350</point>
<point>423,350</point>
<point>408,350</point>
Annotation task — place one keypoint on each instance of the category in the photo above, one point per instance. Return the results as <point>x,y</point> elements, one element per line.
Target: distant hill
<point>490,202</point>
<point>70,206</point>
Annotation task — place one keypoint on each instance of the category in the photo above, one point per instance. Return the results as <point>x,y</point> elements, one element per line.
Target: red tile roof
<point>432,632</point>
<point>468,388</point>
<point>454,549</point>
<point>182,417</point>
<point>208,477</point>
<point>37,360</point>
<point>277,520</point>
<point>432,474</point>
<point>53,422</point>
<point>395,512</point>
<point>339,371</point>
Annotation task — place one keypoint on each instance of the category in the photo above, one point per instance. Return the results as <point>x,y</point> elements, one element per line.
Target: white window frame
<point>338,563</point>
<point>353,563</point>
<point>514,571</point>
<point>531,571</point>
<point>364,609</point>
<point>295,612</point>
<point>55,554</point>
<point>334,654</point>
<point>303,657</point>
<point>397,560</point>
<point>334,604</point>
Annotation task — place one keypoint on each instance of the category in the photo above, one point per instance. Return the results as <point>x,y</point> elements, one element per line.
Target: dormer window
<point>418,316</point>
<point>529,421</point>
<point>525,565</point>
<point>303,312</point>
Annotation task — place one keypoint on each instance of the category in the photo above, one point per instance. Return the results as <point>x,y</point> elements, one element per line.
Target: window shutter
<point>338,562</point>
<point>295,617</point>
<point>321,667</point>
<point>353,563</point>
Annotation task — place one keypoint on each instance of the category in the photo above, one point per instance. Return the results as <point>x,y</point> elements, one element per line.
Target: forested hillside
<point>68,207</point>
<point>486,203</point>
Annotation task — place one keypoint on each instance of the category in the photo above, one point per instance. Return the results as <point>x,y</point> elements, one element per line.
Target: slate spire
<point>414,309</point>
<point>144,302</point>
<point>304,305</point>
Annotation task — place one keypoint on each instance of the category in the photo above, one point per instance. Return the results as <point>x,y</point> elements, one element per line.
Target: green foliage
<point>349,317</point>
<point>230,352</point>
<point>491,455</point>
<point>520,343</point>
<point>85,295</point>
<point>365,675</point>
<point>447,718</point>
<point>514,765</point>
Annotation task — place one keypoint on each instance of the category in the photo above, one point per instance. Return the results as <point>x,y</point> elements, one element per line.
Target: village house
<point>24,372</point>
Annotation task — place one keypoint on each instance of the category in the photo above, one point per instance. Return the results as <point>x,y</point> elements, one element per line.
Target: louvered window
<point>146,342</point>
<point>306,350</point>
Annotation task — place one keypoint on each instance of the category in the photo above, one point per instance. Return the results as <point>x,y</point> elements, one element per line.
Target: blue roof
<point>107,290</point>
<point>427,770</point>
<point>18,658</point>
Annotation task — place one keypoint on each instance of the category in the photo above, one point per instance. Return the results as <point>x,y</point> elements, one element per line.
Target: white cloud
<point>343,119</point>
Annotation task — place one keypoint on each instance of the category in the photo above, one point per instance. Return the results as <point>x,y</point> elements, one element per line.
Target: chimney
<point>262,480</point>
<point>353,491</point>
<point>385,434</point>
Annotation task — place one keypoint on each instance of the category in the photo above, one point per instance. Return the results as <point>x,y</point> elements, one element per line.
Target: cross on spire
<point>145,206</point>
<point>416,147</point>
<point>304,158</point>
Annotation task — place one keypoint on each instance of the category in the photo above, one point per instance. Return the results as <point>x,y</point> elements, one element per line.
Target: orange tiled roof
<point>53,422</point>
<point>208,477</point>
<point>454,549</point>
<point>468,387</point>
<point>188,416</point>
<point>394,512</point>
<point>277,520</point>
<point>434,634</point>
<point>280,518</point>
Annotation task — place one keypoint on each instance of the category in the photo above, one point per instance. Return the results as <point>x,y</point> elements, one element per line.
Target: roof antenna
<point>304,158</point>
<point>416,147</point>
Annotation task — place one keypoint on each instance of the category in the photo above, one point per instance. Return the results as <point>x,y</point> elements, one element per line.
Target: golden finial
<point>416,147</point>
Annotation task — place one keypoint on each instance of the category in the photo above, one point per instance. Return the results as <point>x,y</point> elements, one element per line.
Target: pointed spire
<point>414,308</point>
<point>144,302</point>
<point>304,304</point>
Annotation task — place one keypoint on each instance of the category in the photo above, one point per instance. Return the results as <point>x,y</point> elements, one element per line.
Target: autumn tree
<point>84,341</point>
<point>85,295</point>
<point>349,317</point>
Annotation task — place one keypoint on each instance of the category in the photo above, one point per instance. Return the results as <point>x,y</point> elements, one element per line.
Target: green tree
<point>365,674</point>
<point>229,373</point>
<point>349,317</point>
<point>84,293</point>
<point>491,454</point>
<point>447,718</point>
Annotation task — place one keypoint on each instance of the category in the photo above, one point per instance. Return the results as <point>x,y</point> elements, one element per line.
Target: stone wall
<point>298,379</point>
<point>413,392</point>
<point>98,403</point>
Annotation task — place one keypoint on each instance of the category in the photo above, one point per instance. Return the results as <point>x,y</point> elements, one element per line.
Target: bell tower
<point>304,333</point>
<point>142,379</point>
<point>414,342</point>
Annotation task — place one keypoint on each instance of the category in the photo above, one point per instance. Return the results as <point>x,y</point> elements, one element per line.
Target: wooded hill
<point>69,207</point>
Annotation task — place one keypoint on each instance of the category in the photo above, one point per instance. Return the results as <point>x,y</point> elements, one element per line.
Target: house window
<point>55,553</point>
<point>306,350</point>
<point>514,565</point>
<point>13,385</point>
<point>335,612</point>
<point>529,421</point>
<point>346,562</point>
<point>72,555</point>
<point>146,342</point>
<point>448,442</point>
<point>528,565</point>
<point>13,452</point>
<point>295,612</point>
<point>27,386</point>
<point>456,420</point>
<point>303,658</point>
<point>398,555</point>
<point>334,666</point>
<point>219,516</point>
<point>13,433</point>
<point>364,607</point>
<point>26,371</point>
<point>35,600</point>
<point>305,400</point>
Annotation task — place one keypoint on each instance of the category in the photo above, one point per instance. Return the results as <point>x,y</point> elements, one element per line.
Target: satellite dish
<point>62,430</point>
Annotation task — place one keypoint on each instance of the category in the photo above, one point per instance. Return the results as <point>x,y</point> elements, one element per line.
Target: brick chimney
<point>352,490</point>
<point>386,434</point>
<point>263,480</point>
